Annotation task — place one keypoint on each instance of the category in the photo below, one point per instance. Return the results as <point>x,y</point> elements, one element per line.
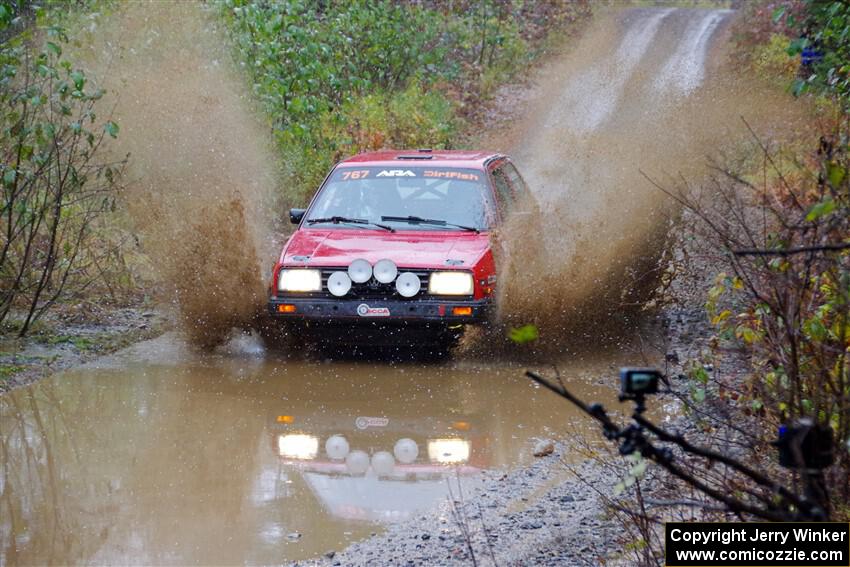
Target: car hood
<point>408,249</point>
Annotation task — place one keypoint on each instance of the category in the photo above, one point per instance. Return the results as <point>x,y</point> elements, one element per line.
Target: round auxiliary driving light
<point>336,447</point>
<point>357,462</point>
<point>339,283</point>
<point>383,463</point>
<point>406,450</point>
<point>360,271</point>
<point>385,271</point>
<point>408,284</point>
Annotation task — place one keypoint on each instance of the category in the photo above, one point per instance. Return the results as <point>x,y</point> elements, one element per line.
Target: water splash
<point>201,170</point>
<point>603,225</point>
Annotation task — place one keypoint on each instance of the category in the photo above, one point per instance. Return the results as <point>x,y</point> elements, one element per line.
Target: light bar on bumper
<point>450,283</point>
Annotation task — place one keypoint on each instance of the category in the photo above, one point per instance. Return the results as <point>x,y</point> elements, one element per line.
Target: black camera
<point>635,383</point>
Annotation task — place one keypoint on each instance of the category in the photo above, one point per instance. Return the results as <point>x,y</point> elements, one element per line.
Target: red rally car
<point>396,245</point>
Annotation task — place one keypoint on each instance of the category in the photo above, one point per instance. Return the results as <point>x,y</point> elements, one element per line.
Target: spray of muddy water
<point>200,168</point>
<point>639,93</point>
<point>643,93</point>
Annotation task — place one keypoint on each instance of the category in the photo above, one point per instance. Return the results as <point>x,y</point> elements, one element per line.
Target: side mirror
<point>295,215</point>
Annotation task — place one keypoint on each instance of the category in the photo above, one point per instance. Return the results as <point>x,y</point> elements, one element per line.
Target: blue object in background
<point>810,56</point>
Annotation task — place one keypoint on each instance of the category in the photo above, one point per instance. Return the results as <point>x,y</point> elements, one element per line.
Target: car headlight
<point>298,446</point>
<point>448,451</point>
<point>450,283</point>
<point>299,280</point>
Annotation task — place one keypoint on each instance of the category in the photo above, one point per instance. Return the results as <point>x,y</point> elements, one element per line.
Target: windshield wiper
<point>337,220</point>
<point>437,222</point>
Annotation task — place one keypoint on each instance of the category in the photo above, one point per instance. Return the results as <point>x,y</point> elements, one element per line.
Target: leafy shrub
<point>817,26</point>
<point>771,60</point>
<point>784,297</point>
<point>409,118</point>
<point>759,21</point>
<point>307,58</point>
<point>340,77</point>
<point>56,188</point>
<point>825,29</point>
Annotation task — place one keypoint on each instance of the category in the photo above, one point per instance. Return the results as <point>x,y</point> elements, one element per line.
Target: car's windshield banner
<point>351,174</point>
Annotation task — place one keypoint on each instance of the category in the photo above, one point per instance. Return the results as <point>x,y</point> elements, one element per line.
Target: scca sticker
<point>365,311</point>
<point>396,173</point>
<point>364,422</point>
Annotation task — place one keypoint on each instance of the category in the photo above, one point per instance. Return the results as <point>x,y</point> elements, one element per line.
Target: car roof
<point>445,158</point>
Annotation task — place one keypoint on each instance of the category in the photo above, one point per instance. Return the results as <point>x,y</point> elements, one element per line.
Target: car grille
<point>373,289</point>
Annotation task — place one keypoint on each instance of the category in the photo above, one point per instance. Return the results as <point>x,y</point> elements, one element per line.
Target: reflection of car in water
<point>398,243</point>
<point>377,468</point>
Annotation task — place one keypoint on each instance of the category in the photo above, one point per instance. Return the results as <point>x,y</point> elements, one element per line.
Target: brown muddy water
<point>158,456</point>
<point>202,173</point>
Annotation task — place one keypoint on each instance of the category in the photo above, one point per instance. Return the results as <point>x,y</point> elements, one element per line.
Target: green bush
<point>338,77</point>
<point>771,60</point>
<point>57,186</point>
<point>307,58</point>
<point>822,26</point>
<point>409,118</point>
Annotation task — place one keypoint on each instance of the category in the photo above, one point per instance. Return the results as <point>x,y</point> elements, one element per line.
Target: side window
<point>516,180</point>
<point>504,194</point>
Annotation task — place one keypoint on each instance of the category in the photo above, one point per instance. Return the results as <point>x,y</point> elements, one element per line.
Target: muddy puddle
<point>156,456</point>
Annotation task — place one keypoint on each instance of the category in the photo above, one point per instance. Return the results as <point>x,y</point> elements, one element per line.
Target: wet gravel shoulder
<point>72,336</point>
<point>543,514</point>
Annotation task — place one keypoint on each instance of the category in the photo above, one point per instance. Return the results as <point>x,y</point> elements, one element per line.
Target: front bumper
<point>377,311</point>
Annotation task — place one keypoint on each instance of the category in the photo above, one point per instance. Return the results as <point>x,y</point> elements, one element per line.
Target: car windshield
<point>420,198</point>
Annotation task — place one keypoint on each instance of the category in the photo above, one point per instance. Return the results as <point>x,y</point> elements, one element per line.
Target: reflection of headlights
<point>299,280</point>
<point>298,446</point>
<point>450,283</point>
<point>448,450</point>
